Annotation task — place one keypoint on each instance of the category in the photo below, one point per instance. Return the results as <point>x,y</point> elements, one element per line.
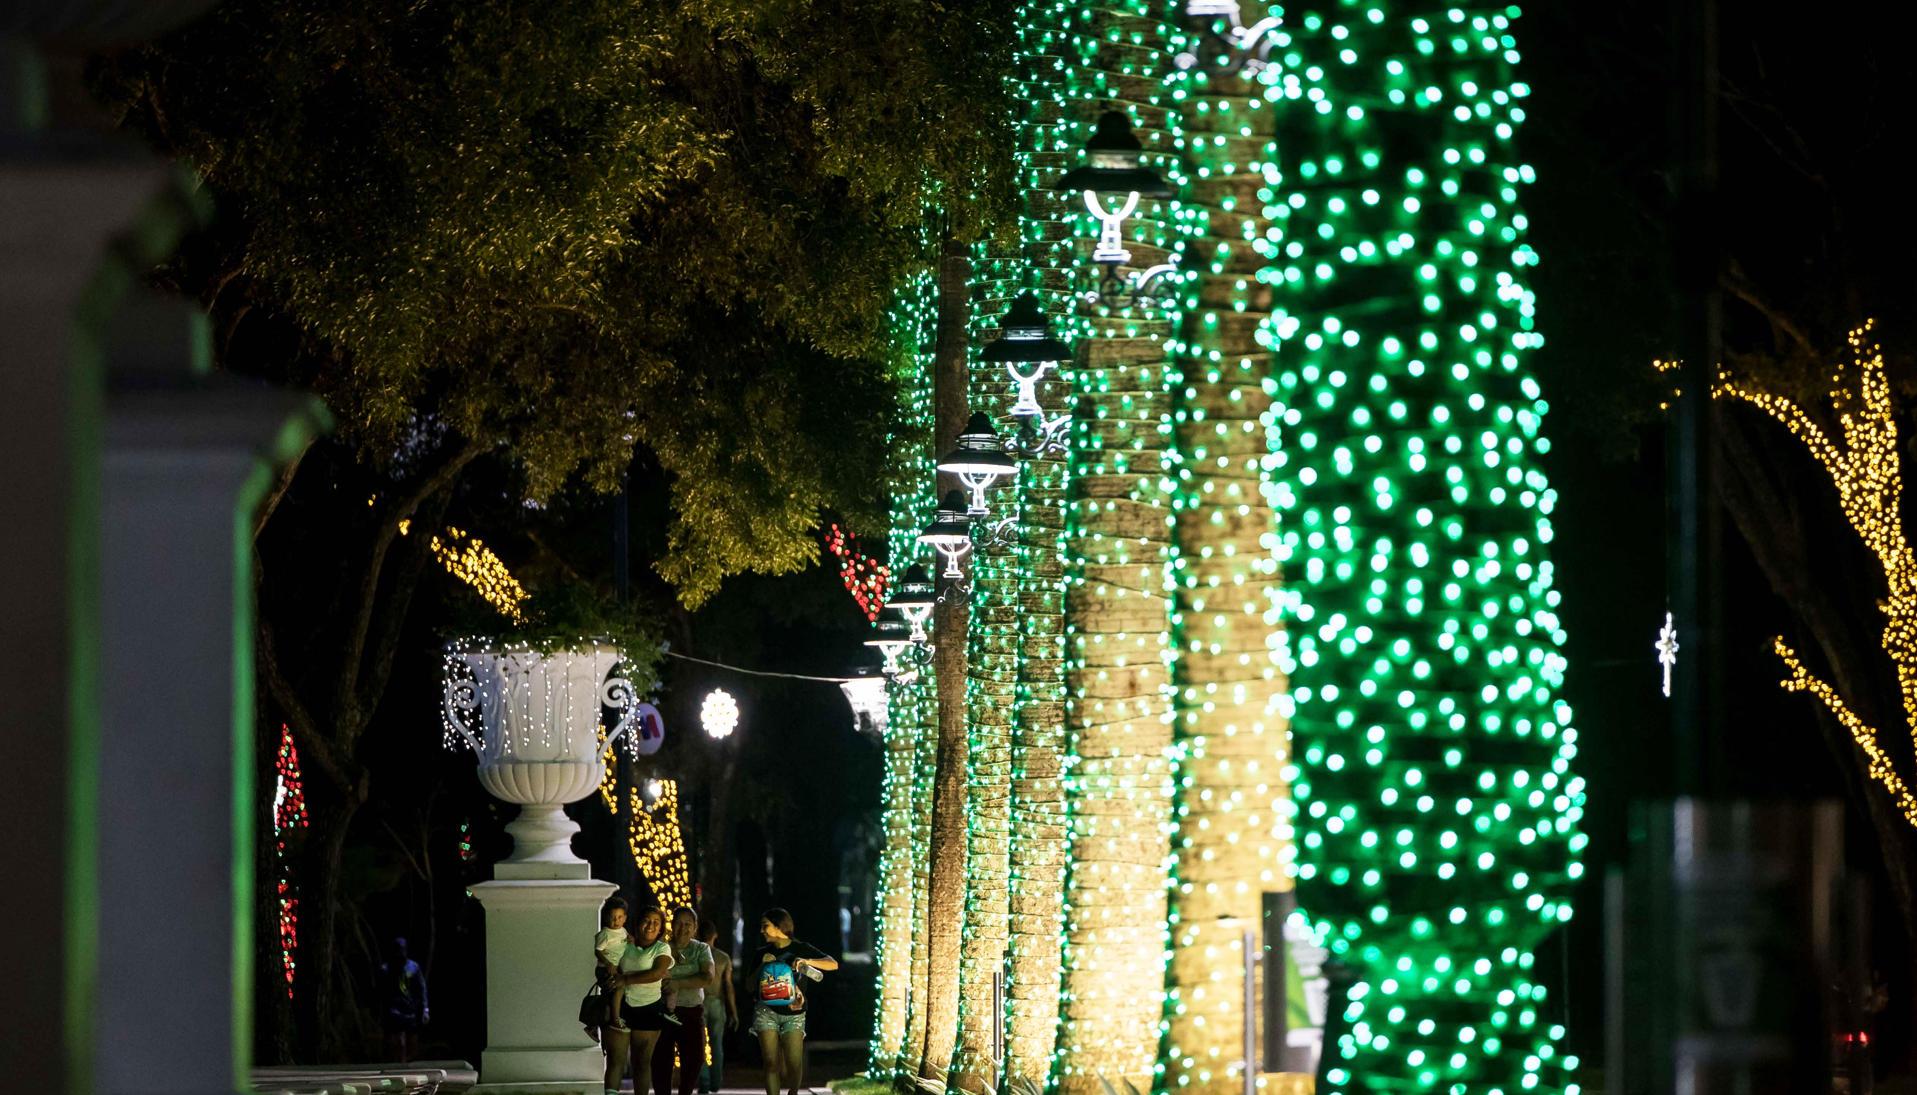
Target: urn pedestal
<point>537,733</point>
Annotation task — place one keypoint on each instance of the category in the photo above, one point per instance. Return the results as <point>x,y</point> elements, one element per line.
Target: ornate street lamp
<point>1225,41</point>
<point>915,600</point>
<point>950,533</point>
<point>865,694</point>
<point>1026,348</point>
<point>978,460</point>
<point>890,637</point>
<point>1115,173</point>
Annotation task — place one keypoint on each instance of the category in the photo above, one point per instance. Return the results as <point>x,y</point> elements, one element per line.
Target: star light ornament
<point>719,714</point>
<point>1667,650</point>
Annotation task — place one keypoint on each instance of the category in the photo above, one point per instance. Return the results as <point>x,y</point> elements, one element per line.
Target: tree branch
<point>1733,281</point>
<point>271,502</point>
<point>1880,767</point>
<point>346,701</point>
<point>316,748</point>
<point>391,623</point>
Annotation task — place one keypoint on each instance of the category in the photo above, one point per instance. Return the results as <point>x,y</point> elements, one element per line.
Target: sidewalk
<point>824,1062</point>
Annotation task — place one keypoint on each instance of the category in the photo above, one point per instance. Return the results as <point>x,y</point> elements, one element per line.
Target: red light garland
<point>289,813</point>
<point>865,577</point>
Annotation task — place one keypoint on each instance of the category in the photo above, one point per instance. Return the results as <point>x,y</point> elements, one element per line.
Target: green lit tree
<point>1437,813</point>
<point>557,241</point>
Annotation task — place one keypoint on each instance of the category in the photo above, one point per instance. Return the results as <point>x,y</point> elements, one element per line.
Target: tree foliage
<point>581,227</point>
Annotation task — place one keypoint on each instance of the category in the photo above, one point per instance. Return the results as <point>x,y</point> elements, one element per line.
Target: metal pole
<point>1251,1012</point>
<point>998,1027</point>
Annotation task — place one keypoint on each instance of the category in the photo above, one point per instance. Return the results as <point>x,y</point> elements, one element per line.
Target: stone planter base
<point>538,964</point>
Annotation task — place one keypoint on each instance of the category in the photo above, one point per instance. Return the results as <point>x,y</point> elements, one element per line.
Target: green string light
<point>1437,811</point>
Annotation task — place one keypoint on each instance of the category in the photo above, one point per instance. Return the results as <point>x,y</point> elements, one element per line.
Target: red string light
<point>289,813</point>
<point>865,577</point>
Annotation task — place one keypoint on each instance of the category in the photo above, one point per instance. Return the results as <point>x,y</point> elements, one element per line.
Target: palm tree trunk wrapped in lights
<point>947,850</point>
<point>907,817</point>
<point>1036,893</point>
<point>992,675</point>
<point>1118,774</point>
<point>1231,807</point>
<point>1438,814</point>
<point>1046,262</point>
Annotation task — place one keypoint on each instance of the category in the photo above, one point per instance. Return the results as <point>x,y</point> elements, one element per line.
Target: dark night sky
<point>1601,134</point>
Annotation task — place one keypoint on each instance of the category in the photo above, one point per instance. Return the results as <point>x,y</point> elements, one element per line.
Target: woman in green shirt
<point>647,960</point>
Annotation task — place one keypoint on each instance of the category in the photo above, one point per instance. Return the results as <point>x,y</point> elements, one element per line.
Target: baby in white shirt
<point>608,947</point>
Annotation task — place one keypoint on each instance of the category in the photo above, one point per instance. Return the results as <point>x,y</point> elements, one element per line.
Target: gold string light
<point>658,846</point>
<point>468,559</point>
<point>1862,462</point>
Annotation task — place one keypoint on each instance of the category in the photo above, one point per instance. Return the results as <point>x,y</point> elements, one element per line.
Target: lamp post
<point>950,533</point>
<point>1028,351</point>
<point>891,635</point>
<point>914,601</point>
<point>1225,43</point>
<point>1114,174</point>
<point>978,460</point>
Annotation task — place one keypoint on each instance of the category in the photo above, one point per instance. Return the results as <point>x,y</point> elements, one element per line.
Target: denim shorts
<point>765,1019</point>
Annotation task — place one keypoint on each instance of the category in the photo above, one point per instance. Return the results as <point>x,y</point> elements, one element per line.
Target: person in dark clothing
<point>406,1008</point>
<point>781,969</point>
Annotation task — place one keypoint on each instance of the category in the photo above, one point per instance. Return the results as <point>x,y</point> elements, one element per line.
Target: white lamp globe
<point>719,714</point>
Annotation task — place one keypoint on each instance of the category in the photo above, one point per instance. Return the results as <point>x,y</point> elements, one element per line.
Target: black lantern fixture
<point>978,460</point>
<point>1115,166</point>
<point>891,635</point>
<point>1026,348</point>
<point>950,533</point>
<point>916,598</point>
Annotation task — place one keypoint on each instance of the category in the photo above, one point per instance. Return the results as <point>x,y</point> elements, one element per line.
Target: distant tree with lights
<point>553,238</point>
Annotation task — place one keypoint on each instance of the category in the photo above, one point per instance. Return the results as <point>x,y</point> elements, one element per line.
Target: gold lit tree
<point>1861,459</point>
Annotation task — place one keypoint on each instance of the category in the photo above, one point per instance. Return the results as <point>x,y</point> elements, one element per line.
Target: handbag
<point>595,1008</point>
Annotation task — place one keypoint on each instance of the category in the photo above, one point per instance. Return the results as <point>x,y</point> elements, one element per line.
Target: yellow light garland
<point>1863,465</point>
<point>468,559</point>
<point>658,847</point>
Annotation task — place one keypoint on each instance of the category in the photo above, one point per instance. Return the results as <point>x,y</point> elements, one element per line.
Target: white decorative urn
<point>534,719</point>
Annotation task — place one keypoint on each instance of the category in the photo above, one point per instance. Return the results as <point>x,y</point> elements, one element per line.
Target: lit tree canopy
<point>579,227</point>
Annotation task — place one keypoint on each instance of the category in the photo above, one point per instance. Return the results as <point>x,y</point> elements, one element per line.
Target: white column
<point>58,220</point>
<point>186,462</point>
<point>540,919</point>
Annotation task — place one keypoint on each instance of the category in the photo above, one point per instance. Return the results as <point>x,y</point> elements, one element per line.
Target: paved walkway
<point>824,1062</point>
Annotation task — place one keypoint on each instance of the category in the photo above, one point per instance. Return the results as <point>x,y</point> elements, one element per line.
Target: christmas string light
<point>1436,810</point>
<point>658,846</point>
<point>289,815</point>
<point>903,863</point>
<point>990,713</point>
<point>1864,465</point>
<point>1043,262</point>
<point>865,578</point>
<point>1230,804</point>
<point>1117,771</point>
<point>468,559</point>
